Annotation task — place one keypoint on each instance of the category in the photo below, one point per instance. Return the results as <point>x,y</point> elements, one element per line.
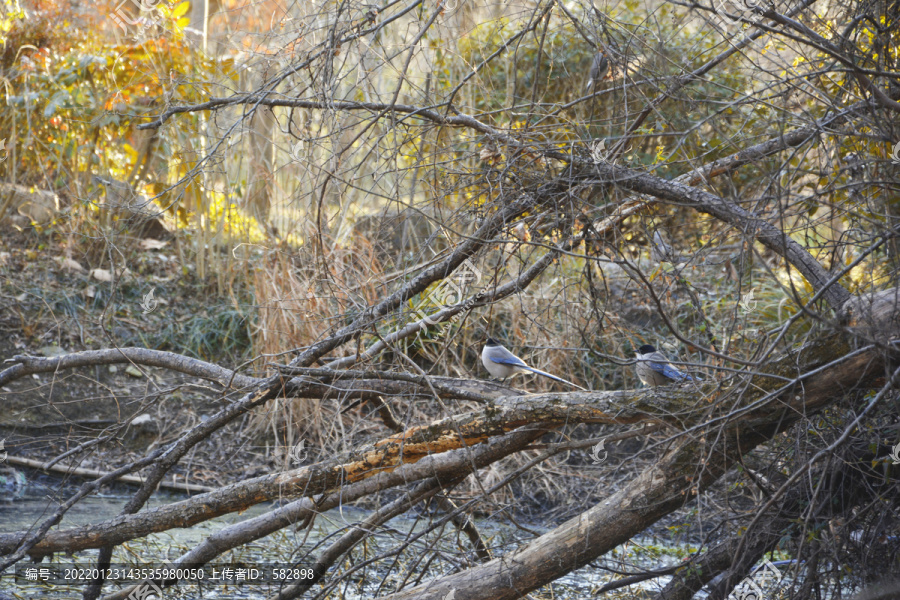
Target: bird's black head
<point>646,349</point>
<point>492,342</point>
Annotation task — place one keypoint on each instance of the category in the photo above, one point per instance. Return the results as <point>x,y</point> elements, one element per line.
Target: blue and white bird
<point>654,369</point>
<point>501,363</point>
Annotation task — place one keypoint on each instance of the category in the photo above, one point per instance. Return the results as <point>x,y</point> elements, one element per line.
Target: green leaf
<point>58,99</point>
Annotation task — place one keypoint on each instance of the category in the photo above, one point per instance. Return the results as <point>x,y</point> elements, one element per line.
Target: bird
<point>654,369</point>
<point>599,67</point>
<point>501,363</point>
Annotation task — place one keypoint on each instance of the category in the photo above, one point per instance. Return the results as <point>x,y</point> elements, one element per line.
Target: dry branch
<point>734,215</point>
<point>82,472</point>
<point>27,365</point>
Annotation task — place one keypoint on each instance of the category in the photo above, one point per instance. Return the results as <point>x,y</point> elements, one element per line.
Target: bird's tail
<point>554,377</point>
<point>676,374</point>
<point>673,373</point>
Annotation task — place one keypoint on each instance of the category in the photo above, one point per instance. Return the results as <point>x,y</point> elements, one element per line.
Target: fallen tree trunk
<point>676,479</point>
<point>448,467</point>
<point>545,410</point>
<point>410,447</point>
<point>82,472</point>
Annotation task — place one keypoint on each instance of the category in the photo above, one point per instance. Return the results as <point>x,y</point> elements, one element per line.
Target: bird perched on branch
<point>501,363</point>
<point>599,67</point>
<point>654,369</point>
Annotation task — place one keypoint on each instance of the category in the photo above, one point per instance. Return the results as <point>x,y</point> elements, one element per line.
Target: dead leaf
<point>490,154</point>
<point>101,275</point>
<point>151,244</point>
<point>105,275</point>
<point>71,265</point>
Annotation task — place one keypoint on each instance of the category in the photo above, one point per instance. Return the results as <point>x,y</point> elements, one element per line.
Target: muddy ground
<point>51,303</point>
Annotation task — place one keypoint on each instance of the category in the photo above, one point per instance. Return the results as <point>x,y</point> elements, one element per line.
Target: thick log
<point>676,479</point>
<point>385,456</point>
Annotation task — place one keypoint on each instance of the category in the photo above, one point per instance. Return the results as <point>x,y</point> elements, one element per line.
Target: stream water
<point>280,555</point>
